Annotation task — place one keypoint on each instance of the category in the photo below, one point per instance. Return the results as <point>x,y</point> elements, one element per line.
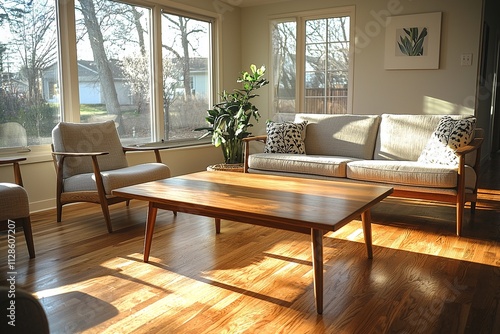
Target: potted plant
<point>230,118</point>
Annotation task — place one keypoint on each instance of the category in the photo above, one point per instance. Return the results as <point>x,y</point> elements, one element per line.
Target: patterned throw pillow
<point>286,137</point>
<point>449,135</point>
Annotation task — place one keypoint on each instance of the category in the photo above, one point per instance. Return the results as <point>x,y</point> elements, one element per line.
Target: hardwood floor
<point>250,279</point>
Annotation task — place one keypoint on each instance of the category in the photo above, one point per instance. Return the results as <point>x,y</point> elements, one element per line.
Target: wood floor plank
<point>251,279</point>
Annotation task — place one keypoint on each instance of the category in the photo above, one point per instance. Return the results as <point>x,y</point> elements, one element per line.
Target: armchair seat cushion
<point>322,165</point>
<point>14,203</point>
<point>117,178</point>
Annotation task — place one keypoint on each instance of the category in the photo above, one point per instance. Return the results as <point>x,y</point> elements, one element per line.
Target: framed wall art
<point>413,41</point>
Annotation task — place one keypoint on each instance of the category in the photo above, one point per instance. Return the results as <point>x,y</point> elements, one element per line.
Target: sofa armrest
<point>246,141</point>
<point>261,138</point>
<point>474,145</point>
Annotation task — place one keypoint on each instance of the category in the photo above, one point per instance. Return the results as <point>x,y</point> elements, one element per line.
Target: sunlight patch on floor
<point>356,235</point>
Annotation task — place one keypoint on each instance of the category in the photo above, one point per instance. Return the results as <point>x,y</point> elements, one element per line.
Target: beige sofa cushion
<point>299,163</point>
<point>340,135</point>
<point>410,173</point>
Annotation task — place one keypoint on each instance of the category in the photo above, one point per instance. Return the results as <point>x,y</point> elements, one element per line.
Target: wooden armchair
<point>90,163</point>
<point>14,204</point>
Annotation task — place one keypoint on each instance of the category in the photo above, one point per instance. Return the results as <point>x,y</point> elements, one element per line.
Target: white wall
<point>450,89</point>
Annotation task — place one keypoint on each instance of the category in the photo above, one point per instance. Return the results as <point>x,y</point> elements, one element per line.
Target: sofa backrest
<point>403,137</point>
<point>340,135</point>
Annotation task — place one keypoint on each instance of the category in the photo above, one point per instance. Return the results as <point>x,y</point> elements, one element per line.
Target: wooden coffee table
<point>297,204</point>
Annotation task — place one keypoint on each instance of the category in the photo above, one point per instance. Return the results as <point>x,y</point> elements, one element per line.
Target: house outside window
<point>312,62</point>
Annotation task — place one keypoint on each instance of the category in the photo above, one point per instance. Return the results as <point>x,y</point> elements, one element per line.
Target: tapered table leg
<point>367,232</point>
<point>150,226</point>
<point>217,225</point>
<point>317,260</point>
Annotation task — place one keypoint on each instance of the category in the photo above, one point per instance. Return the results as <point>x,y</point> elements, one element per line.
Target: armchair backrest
<point>13,134</point>
<point>85,138</point>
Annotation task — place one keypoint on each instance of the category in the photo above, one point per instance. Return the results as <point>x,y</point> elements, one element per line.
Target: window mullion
<point>158,115</point>
<point>68,90</point>
<point>300,64</point>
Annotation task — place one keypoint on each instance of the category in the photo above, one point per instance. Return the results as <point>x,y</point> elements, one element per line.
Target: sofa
<point>429,157</point>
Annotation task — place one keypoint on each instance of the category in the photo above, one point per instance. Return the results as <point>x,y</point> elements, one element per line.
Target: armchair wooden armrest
<point>79,154</point>
<point>17,171</point>
<point>10,160</point>
<point>142,148</point>
<point>60,164</point>
<point>246,141</point>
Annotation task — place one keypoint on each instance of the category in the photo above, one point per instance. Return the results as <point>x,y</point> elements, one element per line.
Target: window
<point>115,77</point>
<point>147,67</point>
<point>186,74</point>
<point>29,94</point>
<point>114,66</point>
<point>284,65</point>
<point>313,76</point>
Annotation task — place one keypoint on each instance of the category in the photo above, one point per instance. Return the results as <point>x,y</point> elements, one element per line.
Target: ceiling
<point>249,3</point>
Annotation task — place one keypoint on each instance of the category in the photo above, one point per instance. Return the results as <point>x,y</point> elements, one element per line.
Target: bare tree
<point>34,43</point>
<point>128,31</point>
<point>184,31</point>
<point>98,51</point>
<point>284,48</point>
<point>12,10</point>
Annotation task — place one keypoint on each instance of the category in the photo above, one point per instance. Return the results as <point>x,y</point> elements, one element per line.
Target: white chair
<point>90,163</point>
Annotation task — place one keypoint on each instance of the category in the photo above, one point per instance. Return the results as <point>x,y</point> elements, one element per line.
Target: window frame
<point>215,31</point>
<point>69,86</point>
<point>300,21</point>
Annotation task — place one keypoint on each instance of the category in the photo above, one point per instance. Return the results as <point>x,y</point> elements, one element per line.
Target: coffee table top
<point>261,199</point>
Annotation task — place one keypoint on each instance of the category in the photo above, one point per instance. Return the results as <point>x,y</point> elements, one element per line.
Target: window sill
<point>34,154</point>
<point>43,153</point>
<point>175,144</point>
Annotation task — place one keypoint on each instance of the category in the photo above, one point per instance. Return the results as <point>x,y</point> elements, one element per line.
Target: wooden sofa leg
<point>460,216</point>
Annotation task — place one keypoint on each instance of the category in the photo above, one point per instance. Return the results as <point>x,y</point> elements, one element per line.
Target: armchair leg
<point>28,235</point>
<point>59,211</point>
<point>472,207</point>
<point>107,218</point>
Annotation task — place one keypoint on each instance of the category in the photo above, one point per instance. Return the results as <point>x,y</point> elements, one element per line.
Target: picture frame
<point>413,41</point>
